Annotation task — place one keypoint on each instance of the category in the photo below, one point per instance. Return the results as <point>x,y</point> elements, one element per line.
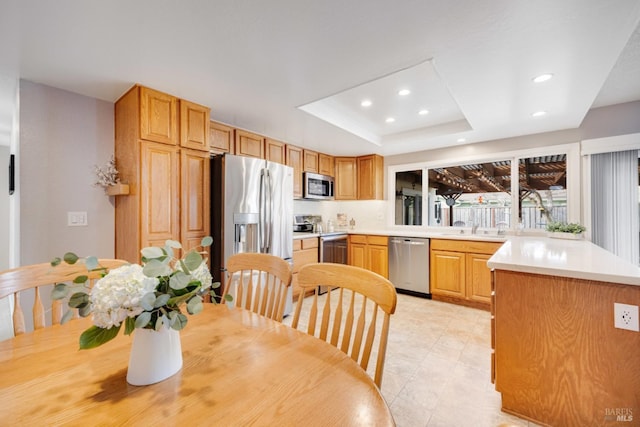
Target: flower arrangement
<point>563,227</point>
<point>107,176</point>
<point>149,296</point>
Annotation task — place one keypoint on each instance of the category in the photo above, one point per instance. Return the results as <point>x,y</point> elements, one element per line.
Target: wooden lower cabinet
<point>559,360</point>
<point>370,252</point>
<point>459,271</point>
<point>305,251</point>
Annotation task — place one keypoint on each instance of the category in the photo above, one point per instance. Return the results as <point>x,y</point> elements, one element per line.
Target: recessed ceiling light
<point>538,114</point>
<point>462,139</point>
<point>390,120</point>
<point>542,78</point>
<point>423,112</point>
<point>366,103</point>
<point>404,92</point>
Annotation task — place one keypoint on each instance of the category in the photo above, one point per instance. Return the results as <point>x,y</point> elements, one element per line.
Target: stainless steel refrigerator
<point>251,210</point>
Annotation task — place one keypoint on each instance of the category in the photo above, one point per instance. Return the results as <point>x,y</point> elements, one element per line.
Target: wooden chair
<point>258,282</point>
<point>348,332</point>
<point>14,281</point>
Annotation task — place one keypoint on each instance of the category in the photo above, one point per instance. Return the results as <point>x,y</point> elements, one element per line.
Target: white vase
<point>155,356</point>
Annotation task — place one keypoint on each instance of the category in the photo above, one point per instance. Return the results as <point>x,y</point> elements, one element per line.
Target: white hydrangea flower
<point>117,295</point>
<point>203,275</point>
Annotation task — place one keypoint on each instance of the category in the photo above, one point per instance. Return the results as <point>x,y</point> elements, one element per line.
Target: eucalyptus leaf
<point>228,297</point>
<point>152,252</point>
<point>207,241</point>
<point>165,321</point>
<point>56,261</point>
<point>148,301</point>
<point>177,300</point>
<point>70,258</point>
<point>180,280</point>
<point>60,291</point>
<point>129,325</point>
<point>180,322</point>
<point>215,285</point>
<point>170,254</point>
<point>85,310</point>
<point>173,316</point>
<point>156,268</point>
<point>78,300</point>
<point>173,244</point>
<point>68,315</point>
<point>143,319</point>
<point>161,300</point>
<point>81,279</point>
<point>94,336</point>
<point>194,306</point>
<point>193,260</point>
<point>91,262</point>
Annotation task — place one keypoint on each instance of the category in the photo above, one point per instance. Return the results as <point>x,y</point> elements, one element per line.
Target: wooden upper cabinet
<point>346,178</point>
<point>310,162</point>
<point>275,151</point>
<point>325,165</point>
<point>194,125</point>
<point>194,189</point>
<point>249,144</point>
<point>221,138</point>
<point>370,177</point>
<point>294,159</point>
<point>158,116</point>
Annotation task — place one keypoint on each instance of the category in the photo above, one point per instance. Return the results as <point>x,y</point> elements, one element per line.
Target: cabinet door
<point>378,257</point>
<point>194,125</point>
<point>249,144</point>
<point>221,138</point>
<point>325,165</point>
<point>358,254</point>
<point>294,159</point>
<point>478,283</point>
<point>346,178</point>
<point>370,177</point>
<point>158,116</point>
<point>310,162</point>
<point>194,192</point>
<point>275,151</point>
<point>448,273</point>
<point>160,200</point>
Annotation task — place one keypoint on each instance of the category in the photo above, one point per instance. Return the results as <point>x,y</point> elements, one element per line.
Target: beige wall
<point>62,136</point>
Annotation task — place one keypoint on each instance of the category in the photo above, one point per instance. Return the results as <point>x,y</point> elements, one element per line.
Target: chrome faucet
<point>474,229</point>
<point>501,229</point>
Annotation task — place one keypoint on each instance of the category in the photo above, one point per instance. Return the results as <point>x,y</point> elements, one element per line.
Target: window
<point>476,194</point>
<point>542,190</point>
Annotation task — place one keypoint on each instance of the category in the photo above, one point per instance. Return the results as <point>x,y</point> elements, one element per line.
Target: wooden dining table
<point>239,369</point>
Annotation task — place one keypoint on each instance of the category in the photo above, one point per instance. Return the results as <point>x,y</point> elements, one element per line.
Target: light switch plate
<point>77,219</point>
<point>626,317</point>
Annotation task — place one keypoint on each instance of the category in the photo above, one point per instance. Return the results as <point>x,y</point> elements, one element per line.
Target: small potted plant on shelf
<point>563,230</point>
<point>108,179</point>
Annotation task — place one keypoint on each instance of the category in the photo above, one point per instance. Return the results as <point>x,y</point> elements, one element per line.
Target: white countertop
<point>404,233</point>
<point>578,259</point>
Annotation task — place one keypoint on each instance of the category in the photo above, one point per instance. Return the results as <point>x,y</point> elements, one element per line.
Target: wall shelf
<point>118,190</point>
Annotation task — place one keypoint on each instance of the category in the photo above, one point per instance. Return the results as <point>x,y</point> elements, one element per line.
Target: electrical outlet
<point>626,317</point>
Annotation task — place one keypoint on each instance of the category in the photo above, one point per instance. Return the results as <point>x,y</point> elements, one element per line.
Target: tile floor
<point>437,370</point>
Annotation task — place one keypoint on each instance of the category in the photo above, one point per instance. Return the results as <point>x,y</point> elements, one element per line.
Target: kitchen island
<point>558,359</point>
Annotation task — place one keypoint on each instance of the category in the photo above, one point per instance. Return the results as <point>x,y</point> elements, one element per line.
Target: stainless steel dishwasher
<point>409,265</point>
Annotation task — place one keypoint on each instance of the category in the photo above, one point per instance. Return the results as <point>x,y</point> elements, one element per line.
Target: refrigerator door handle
<point>262,211</point>
<point>269,219</point>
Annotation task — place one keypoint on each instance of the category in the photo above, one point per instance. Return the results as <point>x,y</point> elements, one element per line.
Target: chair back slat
<point>14,281</point>
<point>358,332</point>
<point>259,283</point>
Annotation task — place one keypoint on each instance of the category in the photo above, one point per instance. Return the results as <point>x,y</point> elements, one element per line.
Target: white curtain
<point>615,213</point>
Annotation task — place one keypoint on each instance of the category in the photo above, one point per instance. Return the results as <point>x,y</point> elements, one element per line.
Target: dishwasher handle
<point>408,242</point>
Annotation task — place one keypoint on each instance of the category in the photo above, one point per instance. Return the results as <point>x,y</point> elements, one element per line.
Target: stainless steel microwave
<point>317,186</point>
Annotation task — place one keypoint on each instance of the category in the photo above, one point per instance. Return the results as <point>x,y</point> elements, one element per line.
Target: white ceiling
<point>255,62</point>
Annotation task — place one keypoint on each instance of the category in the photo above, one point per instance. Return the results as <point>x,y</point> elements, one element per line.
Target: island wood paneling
<point>559,359</point>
